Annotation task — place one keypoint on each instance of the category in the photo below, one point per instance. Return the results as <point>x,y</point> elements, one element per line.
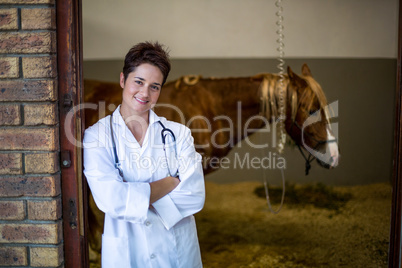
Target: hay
<point>236,229</point>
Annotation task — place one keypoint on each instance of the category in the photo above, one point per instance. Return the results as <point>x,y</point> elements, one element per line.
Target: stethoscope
<point>165,134</point>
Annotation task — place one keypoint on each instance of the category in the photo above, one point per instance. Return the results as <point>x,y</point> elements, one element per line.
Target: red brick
<point>38,18</point>
<point>41,139</point>
<point>42,163</point>
<point>27,42</point>
<point>11,163</point>
<point>39,67</point>
<point>44,210</point>
<point>30,186</point>
<point>12,210</point>
<point>8,19</point>
<point>38,114</point>
<point>31,233</point>
<point>28,90</point>
<point>46,256</point>
<point>9,67</point>
<point>13,256</point>
<point>10,115</point>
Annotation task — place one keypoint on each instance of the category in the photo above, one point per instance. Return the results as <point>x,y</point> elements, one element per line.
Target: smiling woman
<point>148,213</point>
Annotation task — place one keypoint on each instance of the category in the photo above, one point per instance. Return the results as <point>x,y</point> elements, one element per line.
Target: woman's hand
<point>162,187</point>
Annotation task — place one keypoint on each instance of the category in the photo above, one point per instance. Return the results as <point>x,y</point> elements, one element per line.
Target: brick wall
<point>30,193</point>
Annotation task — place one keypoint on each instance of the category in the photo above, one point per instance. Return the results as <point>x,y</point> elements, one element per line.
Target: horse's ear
<point>306,70</point>
<point>291,73</point>
<point>292,76</point>
<point>295,79</point>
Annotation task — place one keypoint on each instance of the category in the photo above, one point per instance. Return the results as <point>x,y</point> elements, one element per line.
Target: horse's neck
<point>268,99</point>
<point>242,102</point>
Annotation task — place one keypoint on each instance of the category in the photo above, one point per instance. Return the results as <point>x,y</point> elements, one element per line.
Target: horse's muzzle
<point>331,163</point>
<point>327,154</point>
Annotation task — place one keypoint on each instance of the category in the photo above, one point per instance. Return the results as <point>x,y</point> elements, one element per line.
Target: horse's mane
<point>270,95</point>
<point>315,90</point>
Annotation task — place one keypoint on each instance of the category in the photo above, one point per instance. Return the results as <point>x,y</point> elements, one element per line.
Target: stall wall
<point>242,29</point>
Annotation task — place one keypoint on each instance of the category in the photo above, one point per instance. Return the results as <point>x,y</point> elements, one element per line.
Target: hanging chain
<point>282,94</point>
<point>280,131</point>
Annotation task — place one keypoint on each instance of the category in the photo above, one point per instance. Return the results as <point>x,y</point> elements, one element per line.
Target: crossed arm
<point>162,187</point>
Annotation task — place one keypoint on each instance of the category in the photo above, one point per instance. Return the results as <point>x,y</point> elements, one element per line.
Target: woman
<point>150,195</point>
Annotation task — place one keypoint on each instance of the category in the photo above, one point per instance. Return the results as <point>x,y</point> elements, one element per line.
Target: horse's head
<point>307,120</point>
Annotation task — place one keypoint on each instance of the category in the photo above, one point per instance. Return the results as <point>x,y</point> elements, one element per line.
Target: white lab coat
<point>136,235</point>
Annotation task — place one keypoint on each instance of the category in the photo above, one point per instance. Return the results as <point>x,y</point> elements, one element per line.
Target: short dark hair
<point>147,52</point>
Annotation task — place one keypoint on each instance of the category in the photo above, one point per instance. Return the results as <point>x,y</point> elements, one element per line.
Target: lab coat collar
<point>153,117</point>
<point>126,133</point>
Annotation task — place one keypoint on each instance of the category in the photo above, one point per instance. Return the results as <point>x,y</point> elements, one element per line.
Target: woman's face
<point>141,89</point>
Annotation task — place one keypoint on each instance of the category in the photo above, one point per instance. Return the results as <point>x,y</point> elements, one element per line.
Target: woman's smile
<point>142,101</point>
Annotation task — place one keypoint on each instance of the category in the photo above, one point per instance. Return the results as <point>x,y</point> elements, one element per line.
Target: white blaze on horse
<point>223,111</point>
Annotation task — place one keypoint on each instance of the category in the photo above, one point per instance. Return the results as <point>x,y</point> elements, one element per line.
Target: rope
<point>267,193</point>
<point>281,103</point>
<point>281,64</point>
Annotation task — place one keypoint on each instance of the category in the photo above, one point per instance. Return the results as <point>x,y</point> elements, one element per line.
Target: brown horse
<point>222,112</point>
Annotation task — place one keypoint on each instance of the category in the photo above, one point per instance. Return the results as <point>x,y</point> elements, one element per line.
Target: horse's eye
<point>311,112</point>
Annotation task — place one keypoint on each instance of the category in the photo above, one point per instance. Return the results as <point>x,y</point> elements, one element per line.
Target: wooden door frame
<point>74,187</point>
<point>394,256</point>
<point>69,54</point>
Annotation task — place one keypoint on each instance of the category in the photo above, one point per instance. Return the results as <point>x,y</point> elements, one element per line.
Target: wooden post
<point>69,52</point>
<point>394,259</point>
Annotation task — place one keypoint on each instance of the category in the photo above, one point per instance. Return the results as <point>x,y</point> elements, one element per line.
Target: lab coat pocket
<point>187,242</point>
<point>115,252</point>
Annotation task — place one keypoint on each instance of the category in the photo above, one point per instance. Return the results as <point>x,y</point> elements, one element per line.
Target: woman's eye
<point>138,82</point>
<point>155,87</point>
